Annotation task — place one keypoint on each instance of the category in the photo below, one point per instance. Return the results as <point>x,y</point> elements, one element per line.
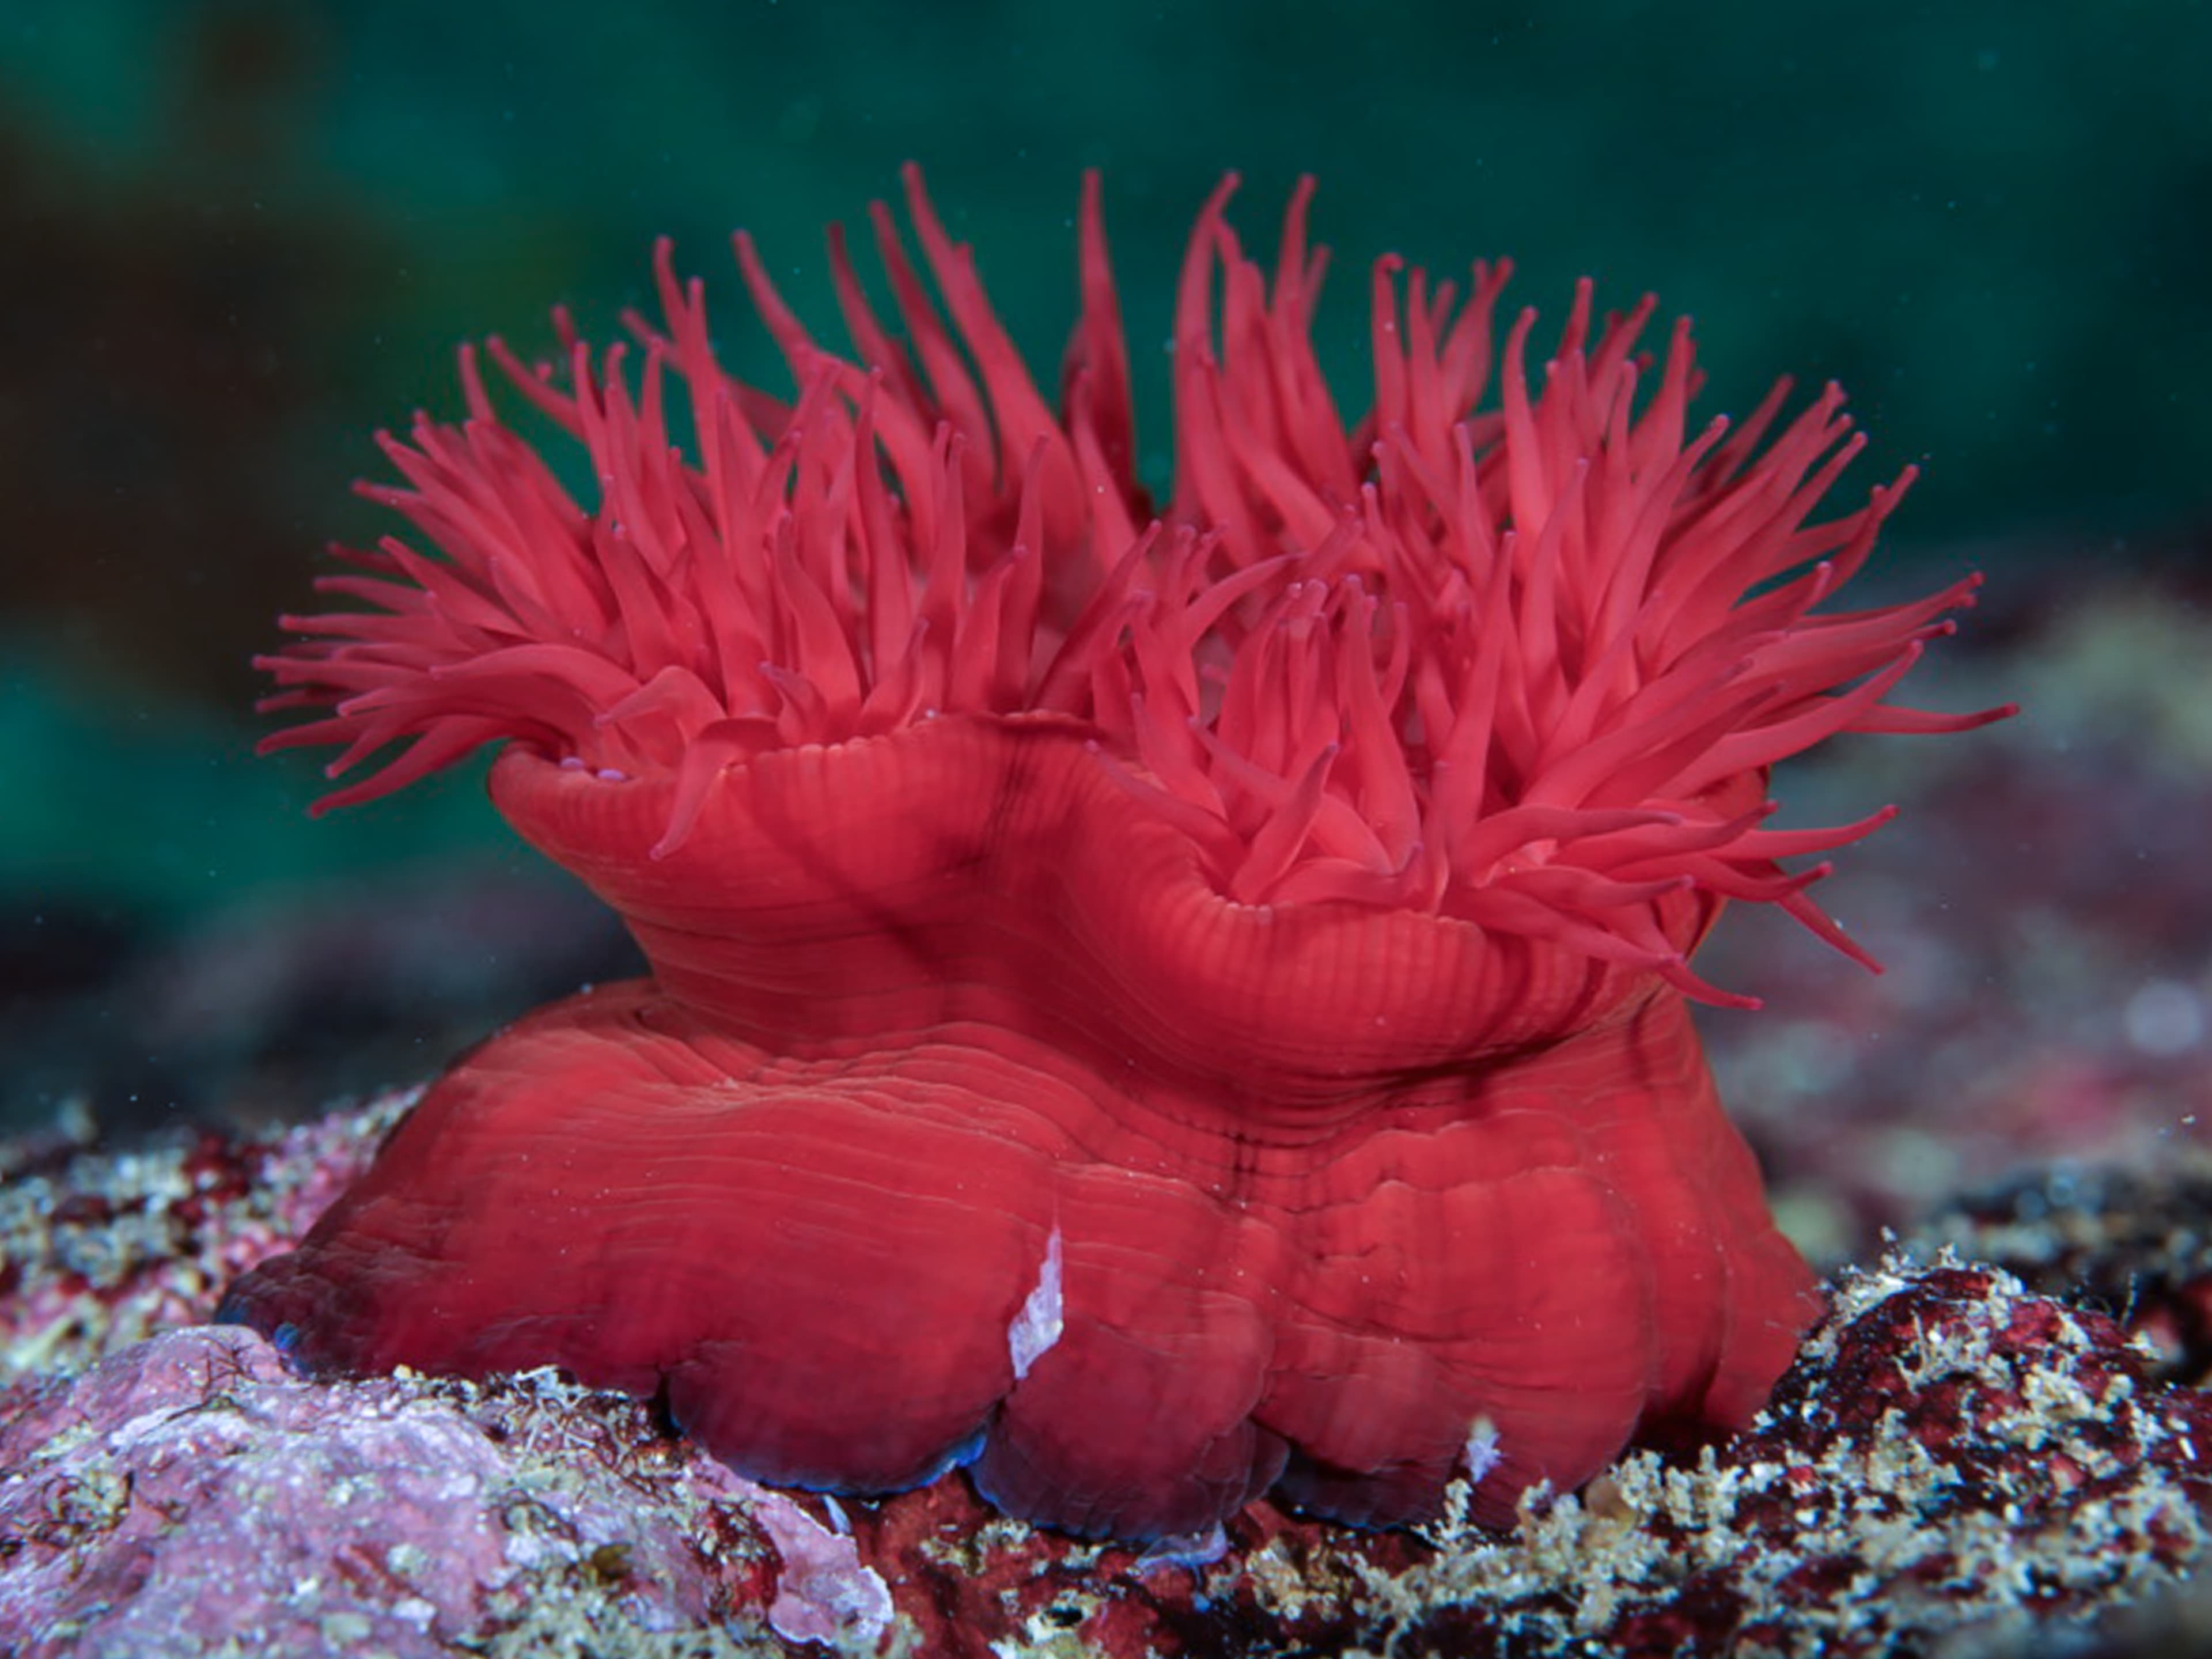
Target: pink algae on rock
<point>191,1496</point>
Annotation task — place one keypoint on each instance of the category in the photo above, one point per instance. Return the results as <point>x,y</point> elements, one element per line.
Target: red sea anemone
<point>1153,1006</point>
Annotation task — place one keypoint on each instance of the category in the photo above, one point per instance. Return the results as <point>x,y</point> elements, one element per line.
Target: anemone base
<point>831,1264</point>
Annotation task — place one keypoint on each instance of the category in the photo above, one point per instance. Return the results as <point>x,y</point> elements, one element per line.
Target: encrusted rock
<point>1955,1463</point>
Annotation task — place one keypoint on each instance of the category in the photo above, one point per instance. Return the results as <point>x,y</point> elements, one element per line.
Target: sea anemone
<point>1153,1006</point>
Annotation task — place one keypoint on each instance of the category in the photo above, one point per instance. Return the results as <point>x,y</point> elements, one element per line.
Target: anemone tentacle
<point>1427,661</point>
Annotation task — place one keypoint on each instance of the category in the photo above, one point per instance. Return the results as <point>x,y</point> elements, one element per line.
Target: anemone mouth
<point>1520,664</point>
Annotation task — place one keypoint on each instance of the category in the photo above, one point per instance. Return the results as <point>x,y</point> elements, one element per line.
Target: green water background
<point>241,235</point>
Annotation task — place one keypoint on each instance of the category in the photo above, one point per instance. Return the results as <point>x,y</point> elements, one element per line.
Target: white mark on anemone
<point>1037,1325</point>
<point>1482,1453</point>
<point>1191,1551</point>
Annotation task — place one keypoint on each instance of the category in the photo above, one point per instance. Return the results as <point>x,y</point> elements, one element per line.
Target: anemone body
<point>1155,1007</point>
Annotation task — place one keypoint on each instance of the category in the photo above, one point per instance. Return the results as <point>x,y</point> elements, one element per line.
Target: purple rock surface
<point>189,1496</point>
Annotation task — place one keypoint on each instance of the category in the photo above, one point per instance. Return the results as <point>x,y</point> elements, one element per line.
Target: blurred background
<point>241,235</point>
